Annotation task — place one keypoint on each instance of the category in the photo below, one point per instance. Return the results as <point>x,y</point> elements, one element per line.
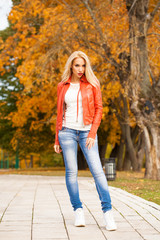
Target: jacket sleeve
<point>57,130</point>
<point>98,112</point>
<point>56,138</point>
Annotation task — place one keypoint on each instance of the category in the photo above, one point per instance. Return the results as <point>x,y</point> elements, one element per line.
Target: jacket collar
<point>83,79</point>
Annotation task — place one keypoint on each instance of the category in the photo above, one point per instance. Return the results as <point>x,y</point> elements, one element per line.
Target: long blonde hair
<point>91,78</point>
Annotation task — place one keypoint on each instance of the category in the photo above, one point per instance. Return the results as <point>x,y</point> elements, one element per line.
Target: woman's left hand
<point>90,142</point>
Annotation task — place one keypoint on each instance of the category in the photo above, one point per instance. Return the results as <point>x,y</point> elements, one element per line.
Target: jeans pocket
<point>63,129</point>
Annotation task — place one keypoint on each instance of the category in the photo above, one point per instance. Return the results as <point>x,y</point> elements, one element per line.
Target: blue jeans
<point>68,139</point>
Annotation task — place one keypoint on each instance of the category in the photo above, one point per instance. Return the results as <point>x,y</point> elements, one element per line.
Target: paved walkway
<point>38,208</point>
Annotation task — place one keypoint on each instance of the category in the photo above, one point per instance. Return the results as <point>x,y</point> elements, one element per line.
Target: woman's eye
<point>78,65</point>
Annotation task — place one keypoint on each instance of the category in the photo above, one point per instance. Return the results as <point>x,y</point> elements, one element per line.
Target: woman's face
<point>78,67</point>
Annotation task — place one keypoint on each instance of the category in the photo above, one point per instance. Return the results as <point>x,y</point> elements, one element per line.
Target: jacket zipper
<point>78,103</point>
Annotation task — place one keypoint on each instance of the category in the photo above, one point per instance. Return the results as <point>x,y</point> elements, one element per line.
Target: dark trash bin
<point>110,168</point>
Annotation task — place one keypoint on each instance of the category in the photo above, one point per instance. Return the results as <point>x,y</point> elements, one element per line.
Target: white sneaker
<point>109,220</point>
<point>79,218</point>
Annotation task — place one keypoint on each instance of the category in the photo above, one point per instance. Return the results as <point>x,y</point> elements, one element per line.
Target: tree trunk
<point>124,122</point>
<point>25,159</point>
<point>141,152</point>
<point>39,161</point>
<point>140,85</point>
<point>155,152</point>
<point>127,162</point>
<point>31,161</point>
<point>114,152</point>
<point>120,155</point>
<point>102,152</point>
<point>138,47</point>
<point>131,150</point>
<point>152,154</point>
<point>129,144</point>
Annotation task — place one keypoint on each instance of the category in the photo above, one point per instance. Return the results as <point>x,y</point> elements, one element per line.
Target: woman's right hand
<point>57,148</point>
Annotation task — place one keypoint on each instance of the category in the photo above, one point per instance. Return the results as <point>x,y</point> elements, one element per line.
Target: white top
<point>74,119</point>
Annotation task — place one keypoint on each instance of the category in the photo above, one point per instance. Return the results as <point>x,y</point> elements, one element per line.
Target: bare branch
<point>152,14</point>
<point>85,2</point>
<point>132,6</point>
<point>152,77</point>
<point>79,23</point>
<point>153,33</point>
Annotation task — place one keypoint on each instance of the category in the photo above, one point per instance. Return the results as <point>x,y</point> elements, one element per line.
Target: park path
<point>38,208</point>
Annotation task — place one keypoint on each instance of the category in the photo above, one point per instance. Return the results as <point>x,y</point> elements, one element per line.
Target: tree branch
<point>71,10</point>
<point>85,2</point>
<point>152,14</point>
<point>132,6</point>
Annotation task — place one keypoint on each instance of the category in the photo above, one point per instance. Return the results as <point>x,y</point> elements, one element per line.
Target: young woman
<point>79,112</point>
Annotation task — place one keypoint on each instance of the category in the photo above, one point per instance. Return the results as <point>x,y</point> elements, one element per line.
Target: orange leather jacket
<point>91,103</point>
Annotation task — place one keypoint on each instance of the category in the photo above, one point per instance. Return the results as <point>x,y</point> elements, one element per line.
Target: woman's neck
<point>75,79</point>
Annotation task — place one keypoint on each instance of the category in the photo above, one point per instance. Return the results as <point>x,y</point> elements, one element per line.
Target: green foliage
<point>16,2</point>
<point>50,159</point>
<point>6,33</point>
<point>9,86</point>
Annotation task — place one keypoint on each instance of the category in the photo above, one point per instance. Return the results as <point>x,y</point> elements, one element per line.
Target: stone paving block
<point>11,237</point>
<point>134,217</point>
<point>46,232</point>
<point>15,223</point>
<point>86,237</point>
<point>88,217</point>
<point>152,237</point>
<point>47,214</point>
<point>142,206</point>
<point>19,235</point>
<point>20,208</point>
<point>153,221</point>
<point>140,224</point>
<point>16,217</point>
<point>140,201</point>
<point>86,233</point>
<point>51,238</point>
<point>23,228</point>
<point>126,235</point>
<point>144,232</point>
<point>118,217</point>
<point>124,226</point>
<point>57,226</point>
<point>46,220</point>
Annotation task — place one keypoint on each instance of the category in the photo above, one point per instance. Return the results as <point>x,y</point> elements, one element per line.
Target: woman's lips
<point>80,74</point>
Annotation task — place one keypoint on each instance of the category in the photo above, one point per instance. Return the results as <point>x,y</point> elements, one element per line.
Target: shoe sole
<point>81,225</point>
<point>114,229</point>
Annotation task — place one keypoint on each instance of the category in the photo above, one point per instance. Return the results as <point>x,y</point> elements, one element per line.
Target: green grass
<point>135,183</point>
<point>132,182</point>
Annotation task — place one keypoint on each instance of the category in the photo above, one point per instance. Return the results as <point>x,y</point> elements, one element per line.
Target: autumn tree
<point>144,78</point>
<point>14,90</point>
<point>9,86</point>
